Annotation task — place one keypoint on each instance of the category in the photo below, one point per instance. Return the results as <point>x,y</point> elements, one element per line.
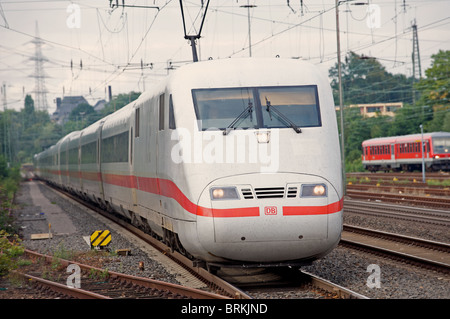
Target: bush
<point>9,184</point>
<point>10,248</point>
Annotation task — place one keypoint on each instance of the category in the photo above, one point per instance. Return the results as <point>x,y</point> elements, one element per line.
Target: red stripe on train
<point>168,188</point>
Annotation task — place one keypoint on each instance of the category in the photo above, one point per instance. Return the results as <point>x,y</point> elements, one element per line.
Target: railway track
<point>409,213</point>
<point>215,284</point>
<point>425,253</point>
<point>400,176</point>
<point>222,284</point>
<point>411,189</point>
<point>437,202</point>
<point>96,283</point>
<point>273,282</point>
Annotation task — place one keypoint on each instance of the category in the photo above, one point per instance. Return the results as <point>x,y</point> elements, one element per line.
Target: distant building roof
<point>65,106</point>
<point>100,105</point>
<point>369,110</point>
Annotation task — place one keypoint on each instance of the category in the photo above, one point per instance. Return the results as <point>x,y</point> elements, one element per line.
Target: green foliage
<point>80,117</point>
<point>435,92</point>
<point>365,80</point>
<point>10,248</point>
<point>118,102</point>
<point>28,132</point>
<point>9,183</point>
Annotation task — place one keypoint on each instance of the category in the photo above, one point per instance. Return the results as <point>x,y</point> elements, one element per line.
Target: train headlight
<point>314,190</point>
<point>219,193</point>
<point>263,137</point>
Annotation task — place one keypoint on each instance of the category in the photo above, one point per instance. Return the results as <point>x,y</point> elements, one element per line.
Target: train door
<point>80,180</point>
<point>168,205</point>
<point>134,136</point>
<point>427,149</point>
<point>101,190</point>
<point>161,160</point>
<point>161,135</point>
<point>99,166</point>
<point>392,152</point>
<point>145,155</point>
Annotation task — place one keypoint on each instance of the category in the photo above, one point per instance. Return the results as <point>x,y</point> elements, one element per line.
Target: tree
<point>434,92</point>
<point>118,102</point>
<point>80,117</point>
<point>365,80</point>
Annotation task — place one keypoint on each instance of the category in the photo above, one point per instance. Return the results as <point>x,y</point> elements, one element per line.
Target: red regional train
<point>404,152</point>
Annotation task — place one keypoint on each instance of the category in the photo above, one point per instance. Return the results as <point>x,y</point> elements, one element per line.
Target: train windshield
<point>257,107</point>
<point>441,145</point>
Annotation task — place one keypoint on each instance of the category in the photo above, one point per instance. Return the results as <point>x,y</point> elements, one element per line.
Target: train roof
<point>249,72</point>
<point>226,73</point>
<point>404,138</point>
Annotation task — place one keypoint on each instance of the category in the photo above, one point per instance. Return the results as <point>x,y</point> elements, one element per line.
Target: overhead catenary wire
<point>105,58</point>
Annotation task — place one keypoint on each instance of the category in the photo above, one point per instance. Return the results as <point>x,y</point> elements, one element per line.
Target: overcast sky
<point>111,42</point>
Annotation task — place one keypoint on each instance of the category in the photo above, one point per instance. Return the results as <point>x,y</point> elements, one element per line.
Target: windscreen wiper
<point>287,121</point>
<point>248,110</point>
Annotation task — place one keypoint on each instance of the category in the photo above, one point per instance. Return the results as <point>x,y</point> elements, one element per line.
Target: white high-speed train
<point>232,161</point>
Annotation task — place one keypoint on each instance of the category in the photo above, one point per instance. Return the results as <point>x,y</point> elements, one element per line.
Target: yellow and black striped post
<point>100,238</point>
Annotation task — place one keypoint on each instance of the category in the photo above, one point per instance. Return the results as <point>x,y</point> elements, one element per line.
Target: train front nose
<point>247,218</point>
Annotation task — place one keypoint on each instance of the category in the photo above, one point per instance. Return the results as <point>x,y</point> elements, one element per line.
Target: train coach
<point>232,161</point>
<point>405,153</point>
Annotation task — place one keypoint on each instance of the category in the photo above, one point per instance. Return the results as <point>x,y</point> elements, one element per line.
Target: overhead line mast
<point>417,69</point>
<point>40,90</point>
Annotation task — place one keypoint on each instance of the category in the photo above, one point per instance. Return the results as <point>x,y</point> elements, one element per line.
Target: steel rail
<point>429,244</point>
<point>141,281</point>
<point>326,285</point>
<point>441,202</point>
<point>62,289</point>
<point>406,190</point>
<point>396,250</point>
<point>409,213</point>
<point>201,273</point>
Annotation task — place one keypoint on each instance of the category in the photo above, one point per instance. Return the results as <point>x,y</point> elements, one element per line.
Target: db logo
<point>270,210</point>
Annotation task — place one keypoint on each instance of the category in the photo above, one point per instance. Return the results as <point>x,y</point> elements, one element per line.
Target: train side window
<point>172,125</point>
<point>137,122</point>
<point>161,112</point>
<point>115,148</point>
